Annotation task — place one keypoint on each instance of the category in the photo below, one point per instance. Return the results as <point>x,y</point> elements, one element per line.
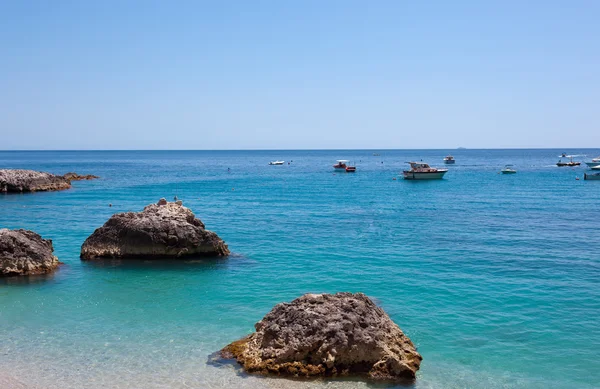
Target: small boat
<point>376,154</point>
<point>595,162</point>
<point>591,177</point>
<point>350,169</point>
<point>276,162</point>
<point>449,160</point>
<point>422,171</point>
<point>341,164</point>
<point>508,170</point>
<point>569,163</point>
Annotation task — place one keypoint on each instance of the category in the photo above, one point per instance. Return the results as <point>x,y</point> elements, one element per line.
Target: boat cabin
<point>341,164</point>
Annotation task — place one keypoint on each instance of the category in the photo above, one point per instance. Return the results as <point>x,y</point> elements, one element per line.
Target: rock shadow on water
<point>34,279</point>
<point>217,361</point>
<point>191,263</point>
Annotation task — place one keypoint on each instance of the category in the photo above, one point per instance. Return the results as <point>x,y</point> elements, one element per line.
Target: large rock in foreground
<point>24,252</point>
<point>327,335</point>
<point>18,180</point>
<point>168,230</point>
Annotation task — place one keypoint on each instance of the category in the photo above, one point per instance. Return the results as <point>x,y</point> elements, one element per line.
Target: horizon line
<point>307,149</point>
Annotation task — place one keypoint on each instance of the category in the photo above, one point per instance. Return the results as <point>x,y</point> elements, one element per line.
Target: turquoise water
<point>495,278</point>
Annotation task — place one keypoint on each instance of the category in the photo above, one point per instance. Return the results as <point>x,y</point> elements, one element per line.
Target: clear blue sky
<point>299,74</point>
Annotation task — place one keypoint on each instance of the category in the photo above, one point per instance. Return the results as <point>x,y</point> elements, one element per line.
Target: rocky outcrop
<point>165,230</point>
<point>24,252</point>
<point>18,180</point>
<point>76,177</point>
<point>327,335</point>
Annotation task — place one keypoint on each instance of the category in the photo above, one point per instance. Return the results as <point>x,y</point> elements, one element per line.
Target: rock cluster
<point>24,252</point>
<point>327,335</point>
<point>162,231</point>
<point>76,177</point>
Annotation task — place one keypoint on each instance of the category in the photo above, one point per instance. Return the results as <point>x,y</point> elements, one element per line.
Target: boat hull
<point>591,177</point>
<point>508,171</point>
<point>408,175</point>
<point>449,162</point>
<point>561,164</point>
<point>592,164</point>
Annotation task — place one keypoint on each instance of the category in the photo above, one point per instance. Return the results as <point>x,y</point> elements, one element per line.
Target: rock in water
<point>18,180</point>
<point>76,177</point>
<point>327,335</point>
<point>24,252</point>
<point>159,231</point>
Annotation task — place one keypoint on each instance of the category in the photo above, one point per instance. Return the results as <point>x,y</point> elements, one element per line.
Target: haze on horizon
<point>299,75</point>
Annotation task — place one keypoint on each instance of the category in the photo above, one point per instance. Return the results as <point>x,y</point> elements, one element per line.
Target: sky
<point>305,74</point>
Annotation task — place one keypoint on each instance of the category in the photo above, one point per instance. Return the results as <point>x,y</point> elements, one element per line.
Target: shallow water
<point>495,278</point>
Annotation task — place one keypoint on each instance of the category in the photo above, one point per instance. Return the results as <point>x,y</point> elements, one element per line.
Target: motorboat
<point>422,171</point>
<point>508,170</point>
<point>595,162</point>
<point>449,160</point>
<point>350,169</point>
<point>591,177</point>
<point>276,162</point>
<point>569,163</point>
<point>597,167</point>
<point>341,164</point>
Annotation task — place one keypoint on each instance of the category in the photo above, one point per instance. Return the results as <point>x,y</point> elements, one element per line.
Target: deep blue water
<point>495,278</point>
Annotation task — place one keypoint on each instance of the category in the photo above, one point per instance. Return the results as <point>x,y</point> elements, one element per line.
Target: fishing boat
<point>591,177</point>
<point>422,171</point>
<point>508,170</point>
<point>569,163</point>
<point>276,162</point>
<point>341,164</point>
<point>449,160</point>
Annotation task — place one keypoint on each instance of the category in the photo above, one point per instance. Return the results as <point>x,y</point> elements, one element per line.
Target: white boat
<point>422,171</point>
<point>276,162</point>
<point>449,160</point>
<point>595,162</point>
<point>508,170</point>
<point>341,164</point>
<point>597,167</point>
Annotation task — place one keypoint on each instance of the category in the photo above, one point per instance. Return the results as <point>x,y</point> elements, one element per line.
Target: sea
<point>495,278</point>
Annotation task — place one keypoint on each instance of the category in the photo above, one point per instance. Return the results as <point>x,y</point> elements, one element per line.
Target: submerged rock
<point>19,180</point>
<point>327,335</point>
<point>159,231</point>
<point>24,252</point>
<point>76,177</point>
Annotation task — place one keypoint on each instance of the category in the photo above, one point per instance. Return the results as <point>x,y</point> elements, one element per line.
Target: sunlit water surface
<point>495,278</point>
